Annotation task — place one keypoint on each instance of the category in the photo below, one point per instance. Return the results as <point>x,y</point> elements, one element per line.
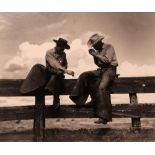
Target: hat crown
<point>62,42</point>
<point>95,38</point>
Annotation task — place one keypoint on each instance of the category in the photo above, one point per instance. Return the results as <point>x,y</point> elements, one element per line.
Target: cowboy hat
<point>95,38</point>
<point>62,42</point>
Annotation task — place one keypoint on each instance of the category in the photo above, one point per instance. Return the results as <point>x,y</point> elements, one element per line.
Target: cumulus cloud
<point>15,64</point>
<point>128,69</point>
<point>29,55</point>
<point>33,51</point>
<point>78,57</point>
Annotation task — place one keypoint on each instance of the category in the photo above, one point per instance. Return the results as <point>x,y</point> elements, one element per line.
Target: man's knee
<point>102,87</point>
<point>37,66</point>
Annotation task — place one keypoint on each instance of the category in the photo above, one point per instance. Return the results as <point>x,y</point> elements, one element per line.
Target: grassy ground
<point>79,130</point>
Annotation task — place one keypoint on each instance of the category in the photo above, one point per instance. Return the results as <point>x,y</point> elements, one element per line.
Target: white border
<point>77,6</point>
<point>77,148</point>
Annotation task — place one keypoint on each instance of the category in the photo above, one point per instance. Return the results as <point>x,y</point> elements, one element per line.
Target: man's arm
<point>107,58</point>
<point>102,58</point>
<point>53,62</point>
<point>65,62</point>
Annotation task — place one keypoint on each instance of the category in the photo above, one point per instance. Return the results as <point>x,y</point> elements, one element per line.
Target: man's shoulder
<point>107,45</point>
<point>50,51</point>
<point>110,47</point>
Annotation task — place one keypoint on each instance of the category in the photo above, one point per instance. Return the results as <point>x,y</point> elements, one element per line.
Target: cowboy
<point>56,65</point>
<point>95,83</point>
<point>49,77</point>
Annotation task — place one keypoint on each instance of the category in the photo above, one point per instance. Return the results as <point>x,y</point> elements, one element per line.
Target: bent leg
<point>81,89</point>
<point>55,86</point>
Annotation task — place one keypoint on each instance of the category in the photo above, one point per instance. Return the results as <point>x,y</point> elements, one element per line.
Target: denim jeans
<point>95,83</point>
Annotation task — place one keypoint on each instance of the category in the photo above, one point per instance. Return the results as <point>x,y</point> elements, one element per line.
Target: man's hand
<point>92,52</point>
<point>69,72</point>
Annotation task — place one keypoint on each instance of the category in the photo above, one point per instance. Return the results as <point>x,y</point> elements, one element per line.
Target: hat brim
<point>55,40</point>
<point>66,46</point>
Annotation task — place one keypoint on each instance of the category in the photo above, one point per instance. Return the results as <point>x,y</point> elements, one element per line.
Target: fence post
<point>39,118</point>
<point>56,103</point>
<point>136,124</point>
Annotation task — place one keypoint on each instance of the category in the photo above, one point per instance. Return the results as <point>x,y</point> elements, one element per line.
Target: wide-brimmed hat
<point>62,42</point>
<point>95,38</point>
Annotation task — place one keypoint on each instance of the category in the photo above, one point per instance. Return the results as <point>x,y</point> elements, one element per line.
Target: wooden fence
<point>39,112</point>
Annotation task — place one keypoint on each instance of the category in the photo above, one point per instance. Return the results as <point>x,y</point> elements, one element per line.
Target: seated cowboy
<point>56,64</point>
<point>49,77</point>
<point>95,83</point>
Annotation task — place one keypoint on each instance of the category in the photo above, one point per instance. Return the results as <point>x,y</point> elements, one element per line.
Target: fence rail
<point>70,111</point>
<point>38,112</point>
<point>124,85</point>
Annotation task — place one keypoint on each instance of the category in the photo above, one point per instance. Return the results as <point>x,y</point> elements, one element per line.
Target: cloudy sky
<point>25,37</point>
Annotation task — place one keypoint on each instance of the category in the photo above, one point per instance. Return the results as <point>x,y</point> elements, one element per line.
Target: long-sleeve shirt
<point>56,61</point>
<point>107,55</point>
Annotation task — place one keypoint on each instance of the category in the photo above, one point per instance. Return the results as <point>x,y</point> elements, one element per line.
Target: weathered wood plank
<point>70,111</point>
<point>136,124</point>
<point>10,87</point>
<point>39,118</point>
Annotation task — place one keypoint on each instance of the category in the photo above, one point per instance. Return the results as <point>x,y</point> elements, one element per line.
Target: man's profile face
<point>60,48</point>
<point>98,46</point>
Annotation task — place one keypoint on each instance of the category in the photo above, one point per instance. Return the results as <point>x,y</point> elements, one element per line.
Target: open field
<point>78,130</point>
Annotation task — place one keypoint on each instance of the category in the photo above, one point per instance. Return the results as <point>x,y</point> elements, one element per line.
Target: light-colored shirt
<point>107,53</point>
<point>56,60</point>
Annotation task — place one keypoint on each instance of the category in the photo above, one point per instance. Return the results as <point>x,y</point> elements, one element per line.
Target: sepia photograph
<point>77,77</point>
